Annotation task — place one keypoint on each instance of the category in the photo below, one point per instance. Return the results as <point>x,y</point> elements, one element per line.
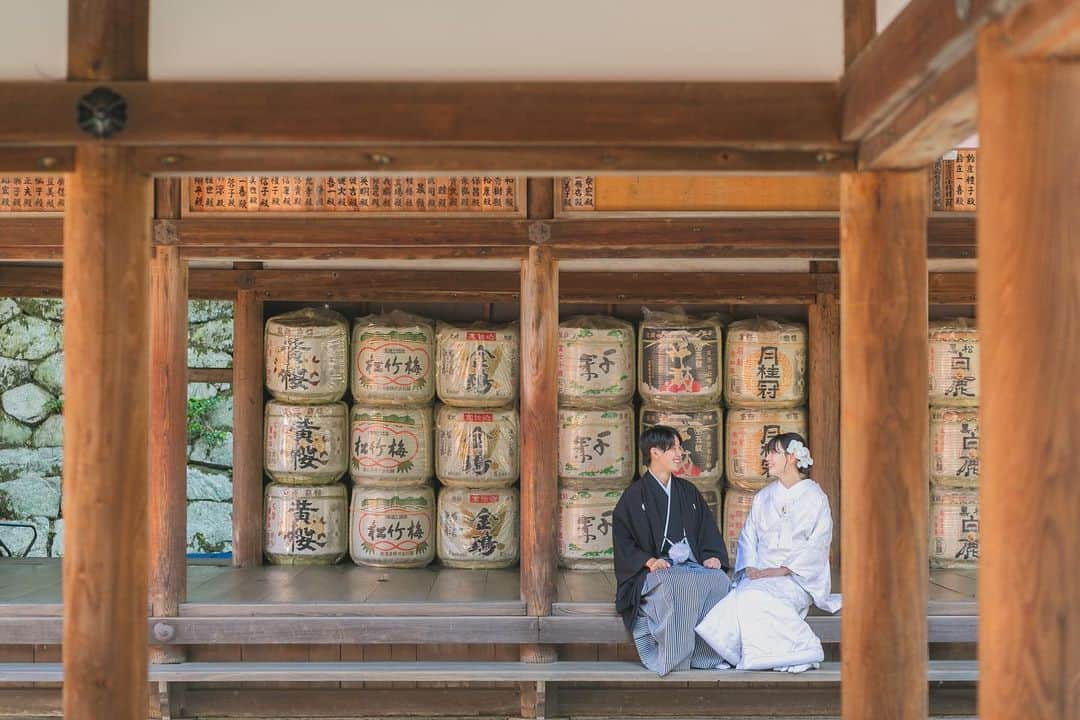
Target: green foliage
<point>55,406</point>
<point>198,421</point>
<point>201,544</point>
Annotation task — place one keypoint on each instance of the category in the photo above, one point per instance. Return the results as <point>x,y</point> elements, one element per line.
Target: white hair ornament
<point>801,453</point>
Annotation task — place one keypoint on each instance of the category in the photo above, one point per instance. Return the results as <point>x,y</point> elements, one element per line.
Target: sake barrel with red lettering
<point>765,364</point>
<point>736,509</point>
<point>585,527</point>
<point>596,447</point>
<point>477,364</point>
<point>392,527</point>
<point>701,434</point>
<point>307,356</point>
<point>306,444</point>
<point>954,363</point>
<point>393,360</point>
<point>679,360</point>
<point>596,362</point>
<point>954,527</point>
<point>391,447</point>
<point>748,429</point>
<point>711,493</point>
<point>954,446</point>
<point>476,448</point>
<point>478,527</point>
<point>305,525</point>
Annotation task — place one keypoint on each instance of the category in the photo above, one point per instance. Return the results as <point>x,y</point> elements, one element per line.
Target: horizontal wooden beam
<point>210,375</point>
<point>777,115</point>
<point>548,160</point>
<point>21,159</point>
<point>1044,29</point>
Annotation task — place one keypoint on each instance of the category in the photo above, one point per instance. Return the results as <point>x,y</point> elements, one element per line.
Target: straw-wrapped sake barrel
<point>679,360</point>
<point>596,361</point>
<point>747,432</point>
<point>596,447</point>
<point>954,363</point>
<point>306,444</point>
<point>477,364</point>
<point>711,493</point>
<point>307,356</point>
<point>585,527</point>
<point>476,448</point>
<point>954,527</point>
<point>305,525</point>
<point>393,360</point>
<point>765,364</point>
<point>391,447</point>
<point>478,527</point>
<point>736,509</point>
<point>392,527</point>
<point>954,446</point>
<point>701,434</point>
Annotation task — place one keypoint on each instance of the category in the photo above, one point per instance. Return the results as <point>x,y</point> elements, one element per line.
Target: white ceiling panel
<point>33,39</point>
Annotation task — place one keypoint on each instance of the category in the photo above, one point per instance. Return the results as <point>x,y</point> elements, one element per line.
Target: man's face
<point>667,460</point>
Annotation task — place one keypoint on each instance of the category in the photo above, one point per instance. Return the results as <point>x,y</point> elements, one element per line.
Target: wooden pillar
<point>168,440</point>
<point>1029,318</point>
<point>539,436</point>
<point>884,437</point>
<point>247,426</point>
<point>824,381</point>
<point>106,281</point>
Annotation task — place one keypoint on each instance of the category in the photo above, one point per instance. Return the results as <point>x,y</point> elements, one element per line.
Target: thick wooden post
<point>167,439</point>
<point>883,442</point>
<point>824,381</point>
<point>1029,317</point>
<point>106,280</point>
<point>247,429</point>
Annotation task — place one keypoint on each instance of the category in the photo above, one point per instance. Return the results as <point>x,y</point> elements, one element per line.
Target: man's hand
<point>712,563</point>
<point>655,564</point>
<point>758,573</point>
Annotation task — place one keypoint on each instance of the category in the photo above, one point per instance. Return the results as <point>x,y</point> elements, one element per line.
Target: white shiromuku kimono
<point>760,624</point>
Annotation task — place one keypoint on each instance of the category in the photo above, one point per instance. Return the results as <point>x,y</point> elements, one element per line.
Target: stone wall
<point>31,426</point>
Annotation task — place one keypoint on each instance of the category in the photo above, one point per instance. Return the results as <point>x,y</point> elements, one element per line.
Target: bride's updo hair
<point>781,442</point>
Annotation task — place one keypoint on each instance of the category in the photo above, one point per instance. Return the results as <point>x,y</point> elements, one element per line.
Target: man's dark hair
<point>661,437</point>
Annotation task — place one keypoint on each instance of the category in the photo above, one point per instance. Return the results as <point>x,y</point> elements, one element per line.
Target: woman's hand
<point>655,564</point>
<point>758,573</point>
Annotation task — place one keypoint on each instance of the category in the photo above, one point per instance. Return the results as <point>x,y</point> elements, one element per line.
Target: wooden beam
<point>210,375</point>
<point>107,327</point>
<point>956,288</point>
<point>248,381</point>
<point>539,436</point>
<point>1029,300</point>
<point>22,159</point>
<point>168,439</point>
<point>884,425</point>
<point>30,280</point>
<point>824,384</point>
<point>31,238</point>
<point>777,115</point>
<point>860,26</point>
<point>1049,29</point>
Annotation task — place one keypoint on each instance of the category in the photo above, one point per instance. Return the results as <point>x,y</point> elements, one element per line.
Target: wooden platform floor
<point>33,587</point>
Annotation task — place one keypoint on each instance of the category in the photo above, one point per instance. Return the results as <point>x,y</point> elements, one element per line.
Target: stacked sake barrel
<point>306,437</point>
<point>954,443</point>
<point>391,460</point>
<point>765,391</point>
<point>477,451</point>
<point>596,435</point>
<point>680,379</point>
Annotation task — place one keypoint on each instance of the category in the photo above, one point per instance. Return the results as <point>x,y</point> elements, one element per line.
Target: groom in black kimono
<point>663,528</point>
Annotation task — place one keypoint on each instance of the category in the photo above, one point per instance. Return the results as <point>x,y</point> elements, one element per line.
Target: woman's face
<point>776,461</point>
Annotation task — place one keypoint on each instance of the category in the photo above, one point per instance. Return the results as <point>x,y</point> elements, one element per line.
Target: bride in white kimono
<point>781,567</point>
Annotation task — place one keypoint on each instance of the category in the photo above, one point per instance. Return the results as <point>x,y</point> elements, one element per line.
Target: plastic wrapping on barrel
<point>307,356</point>
<point>954,363</point>
<point>596,447</point>
<point>748,430</point>
<point>954,527</point>
<point>596,362</point>
<point>701,435</point>
<point>765,364</point>
<point>391,447</point>
<point>478,528</point>
<point>477,364</point>
<point>392,527</point>
<point>954,446</point>
<point>306,444</point>
<point>305,525</point>
<point>585,527</point>
<point>679,359</point>
<point>477,447</point>
<point>393,360</point>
